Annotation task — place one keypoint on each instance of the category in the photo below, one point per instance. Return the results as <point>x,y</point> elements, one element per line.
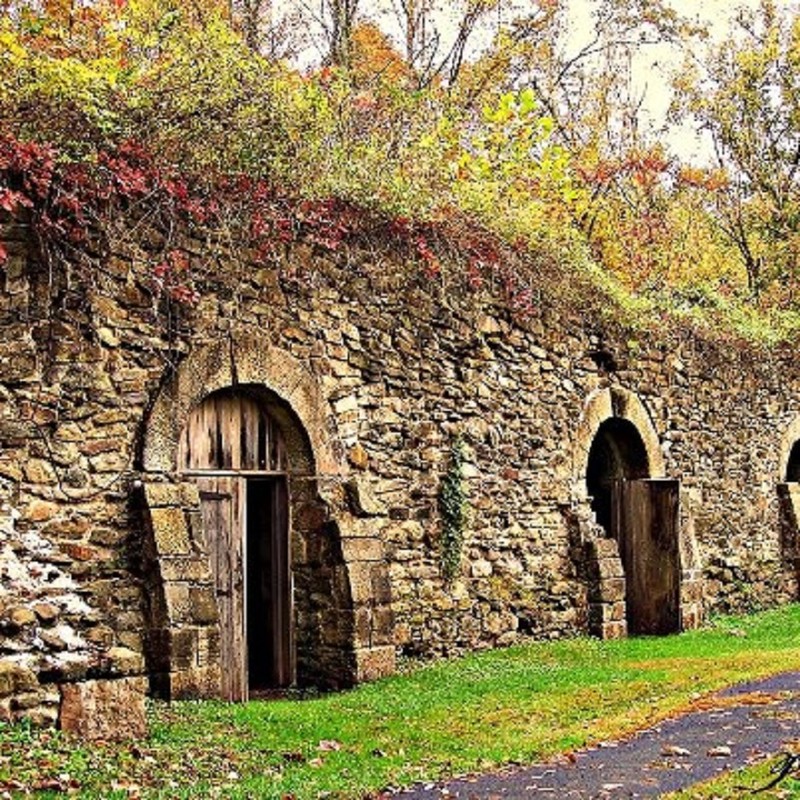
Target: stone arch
<point>612,403</point>
<point>343,626</point>
<point>242,362</point>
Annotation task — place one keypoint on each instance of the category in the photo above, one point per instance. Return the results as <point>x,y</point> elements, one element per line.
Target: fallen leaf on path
<point>674,750</point>
<point>722,750</point>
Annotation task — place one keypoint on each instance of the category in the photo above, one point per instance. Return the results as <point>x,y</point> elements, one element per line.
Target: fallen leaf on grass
<point>329,745</point>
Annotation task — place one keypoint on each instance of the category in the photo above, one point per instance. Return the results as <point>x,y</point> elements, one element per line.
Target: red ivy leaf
<point>3,254</point>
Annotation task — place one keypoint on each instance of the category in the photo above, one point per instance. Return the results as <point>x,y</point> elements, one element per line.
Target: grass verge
<point>742,783</point>
<point>433,721</point>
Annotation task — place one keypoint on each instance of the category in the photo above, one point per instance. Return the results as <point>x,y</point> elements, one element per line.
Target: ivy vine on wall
<point>454,510</point>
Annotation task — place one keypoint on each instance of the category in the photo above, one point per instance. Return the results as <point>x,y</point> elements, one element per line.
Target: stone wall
<point>383,370</point>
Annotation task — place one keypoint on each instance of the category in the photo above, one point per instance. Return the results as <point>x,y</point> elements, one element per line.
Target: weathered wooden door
<point>789,511</point>
<point>646,524</point>
<point>222,503</point>
<point>235,452</point>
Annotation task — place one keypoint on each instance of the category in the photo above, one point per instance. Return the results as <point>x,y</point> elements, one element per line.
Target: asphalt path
<point>747,722</point>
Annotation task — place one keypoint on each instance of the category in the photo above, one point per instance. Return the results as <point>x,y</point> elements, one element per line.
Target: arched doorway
<point>617,453</point>
<point>234,450</point>
<point>340,619</point>
<point>642,515</point>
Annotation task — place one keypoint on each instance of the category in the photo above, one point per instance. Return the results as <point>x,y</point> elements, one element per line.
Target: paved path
<point>672,755</point>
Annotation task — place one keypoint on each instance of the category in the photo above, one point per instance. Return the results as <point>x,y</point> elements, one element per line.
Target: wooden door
<point>646,524</point>
<point>222,502</point>
<point>269,584</point>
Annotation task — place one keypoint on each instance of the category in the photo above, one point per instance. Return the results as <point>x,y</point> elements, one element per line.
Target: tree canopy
<point>480,113</point>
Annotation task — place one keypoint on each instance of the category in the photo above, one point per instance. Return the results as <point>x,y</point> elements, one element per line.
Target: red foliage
<point>67,201</point>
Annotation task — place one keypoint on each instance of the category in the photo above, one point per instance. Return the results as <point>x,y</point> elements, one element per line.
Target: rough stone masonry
<point>109,586</point>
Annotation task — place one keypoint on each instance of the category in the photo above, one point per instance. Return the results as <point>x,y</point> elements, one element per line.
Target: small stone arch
<point>343,633</point>
<point>220,365</point>
<point>613,403</point>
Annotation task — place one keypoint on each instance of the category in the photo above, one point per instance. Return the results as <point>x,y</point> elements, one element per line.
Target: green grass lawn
<point>433,721</point>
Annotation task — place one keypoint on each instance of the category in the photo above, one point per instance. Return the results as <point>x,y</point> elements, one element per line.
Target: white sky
<point>653,68</point>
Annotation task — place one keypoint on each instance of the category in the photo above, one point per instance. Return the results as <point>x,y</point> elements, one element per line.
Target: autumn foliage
<point>152,104</point>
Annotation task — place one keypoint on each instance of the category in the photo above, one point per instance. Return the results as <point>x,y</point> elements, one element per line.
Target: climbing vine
<point>454,510</point>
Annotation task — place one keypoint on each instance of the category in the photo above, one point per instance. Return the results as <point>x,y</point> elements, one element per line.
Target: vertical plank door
<point>646,524</point>
<point>222,505</point>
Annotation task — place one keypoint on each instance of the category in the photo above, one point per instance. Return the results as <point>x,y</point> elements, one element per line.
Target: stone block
<point>608,568</point>
<point>609,590</point>
<point>15,679</point>
<point>179,607</point>
<point>20,616</point>
<point>360,575</point>
<point>26,700</point>
<point>381,586</point>
<point>183,648</point>
<point>614,630</point>
<point>203,605</point>
<point>363,500</point>
<point>40,716</point>
<point>691,617</point>
<point>374,662</point>
<point>170,531</point>
<point>602,613</point>
<point>123,661</point>
<point>601,548</point>
<point>382,625</point>
<point>362,549</point>
<point>208,651</point>
<point>107,710</point>
<point>197,683</point>
<point>691,591</point>
<point>162,495</point>
<point>185,568</point>
<point>612,590</point>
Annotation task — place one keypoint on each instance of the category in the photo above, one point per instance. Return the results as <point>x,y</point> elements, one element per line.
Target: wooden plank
<point>231,433</point>
<point>221,504</point>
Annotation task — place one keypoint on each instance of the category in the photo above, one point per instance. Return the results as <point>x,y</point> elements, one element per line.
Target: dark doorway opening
<point>793,468</point>
<point>269,586</point>
<point>617,453</point>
